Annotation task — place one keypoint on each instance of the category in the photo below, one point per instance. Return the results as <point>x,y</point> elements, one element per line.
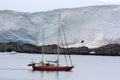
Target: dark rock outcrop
<point>80,50</point>
<point>110,50</point>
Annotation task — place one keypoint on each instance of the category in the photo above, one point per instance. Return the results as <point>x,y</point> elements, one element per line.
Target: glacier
<point>96,25</point>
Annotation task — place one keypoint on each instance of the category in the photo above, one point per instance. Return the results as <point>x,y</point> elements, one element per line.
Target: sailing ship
<point>48,65</point>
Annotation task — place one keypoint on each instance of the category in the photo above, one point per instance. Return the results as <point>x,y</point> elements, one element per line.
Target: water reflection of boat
<point>52,65</point>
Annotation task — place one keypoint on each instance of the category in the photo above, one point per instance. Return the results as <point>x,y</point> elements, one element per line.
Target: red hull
<point>48,68</point>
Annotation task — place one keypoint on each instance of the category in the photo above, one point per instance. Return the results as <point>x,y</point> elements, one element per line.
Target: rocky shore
<point>108,50</point>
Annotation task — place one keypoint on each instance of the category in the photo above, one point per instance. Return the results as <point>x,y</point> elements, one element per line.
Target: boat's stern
<point>32,64</point>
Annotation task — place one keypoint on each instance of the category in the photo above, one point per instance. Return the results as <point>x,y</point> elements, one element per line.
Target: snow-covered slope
<point>96,25</point>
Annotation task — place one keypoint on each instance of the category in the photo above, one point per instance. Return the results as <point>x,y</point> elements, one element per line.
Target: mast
<point>59,25</point>
<point>66,44</point>
<point>42,44</point>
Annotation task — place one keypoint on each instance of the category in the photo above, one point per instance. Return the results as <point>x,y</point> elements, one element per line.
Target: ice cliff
<point>96,25</point>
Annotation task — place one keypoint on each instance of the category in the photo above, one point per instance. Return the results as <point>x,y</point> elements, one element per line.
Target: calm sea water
<point>14,67</point>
